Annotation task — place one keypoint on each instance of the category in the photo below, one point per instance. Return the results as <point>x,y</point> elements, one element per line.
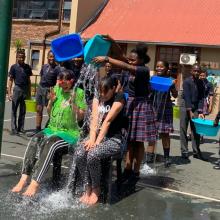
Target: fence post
<point>5,38</point>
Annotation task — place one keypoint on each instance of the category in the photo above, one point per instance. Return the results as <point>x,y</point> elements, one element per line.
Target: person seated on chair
<point>62,131</point>
<point>105,138</point>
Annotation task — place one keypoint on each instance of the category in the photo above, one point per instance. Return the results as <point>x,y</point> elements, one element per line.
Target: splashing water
<point>147,170</point>
<point>43,206</point>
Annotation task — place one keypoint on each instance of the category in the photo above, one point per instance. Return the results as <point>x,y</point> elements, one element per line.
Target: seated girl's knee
<point>91,157</point>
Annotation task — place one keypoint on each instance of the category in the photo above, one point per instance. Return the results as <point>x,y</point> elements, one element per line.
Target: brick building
<point>170,28</point>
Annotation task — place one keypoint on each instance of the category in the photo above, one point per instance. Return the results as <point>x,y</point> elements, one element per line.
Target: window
<point>41,9</point>
<point>35,56</point>
<point>66,10</point>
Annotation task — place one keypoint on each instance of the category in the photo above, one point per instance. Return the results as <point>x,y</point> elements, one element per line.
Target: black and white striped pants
<point>40,152</point>
<point>88,163</point>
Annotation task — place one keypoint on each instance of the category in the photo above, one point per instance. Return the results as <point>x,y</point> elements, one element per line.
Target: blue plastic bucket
<point>205,127</point>
<point>126,96</point>
<point>161,84</point>
<point>96,46</point>
<point>67,47</point>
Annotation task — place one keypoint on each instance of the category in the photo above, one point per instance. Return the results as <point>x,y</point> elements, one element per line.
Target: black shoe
<point>217,162</point>
<point>167,162</point>
<point>21,131</point>
<point>185,156</point>
<point>14,132</point>
<point>133,179</point>
<point>33,133</point>
<point>200,157</point>
<point>149,158</point>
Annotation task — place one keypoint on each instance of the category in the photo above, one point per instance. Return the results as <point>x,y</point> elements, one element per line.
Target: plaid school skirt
<point>165,118</point>
<point>142,120</point>
<point>163,109</point>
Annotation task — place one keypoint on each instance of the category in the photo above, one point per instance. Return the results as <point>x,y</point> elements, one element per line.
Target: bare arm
<point>174,91</point>
<point>10,83</point>
<point>116,108</point>
<point>94,120</point>
<point>210,103</point>
<point>116,62</point>
<point>53,97</point>
<point>49,107</point>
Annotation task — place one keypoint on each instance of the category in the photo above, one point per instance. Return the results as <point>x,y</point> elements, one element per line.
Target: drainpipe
<point>5,38</point>
<point>54,32</point>
<point>29,52</point>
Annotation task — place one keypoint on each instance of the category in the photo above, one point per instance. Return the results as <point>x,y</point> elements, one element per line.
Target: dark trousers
<point>40,152</point>
<point>18,100</point>
<point>184,123</point>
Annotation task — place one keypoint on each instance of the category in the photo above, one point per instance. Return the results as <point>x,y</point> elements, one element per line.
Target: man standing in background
<point>19,74</point>
<point>191,107</point>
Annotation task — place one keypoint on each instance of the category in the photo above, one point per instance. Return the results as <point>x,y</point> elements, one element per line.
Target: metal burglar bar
<point>5,37</point>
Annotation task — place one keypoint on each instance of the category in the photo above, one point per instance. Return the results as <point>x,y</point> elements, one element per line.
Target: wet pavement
<point>196,178</point>
<point>144,203</point>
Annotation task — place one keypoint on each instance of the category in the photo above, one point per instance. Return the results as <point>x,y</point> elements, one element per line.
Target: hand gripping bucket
<point>205,127</point>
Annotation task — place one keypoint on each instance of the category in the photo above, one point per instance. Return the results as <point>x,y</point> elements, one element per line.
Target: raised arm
<point>115,62</point>
<point>52,98</point>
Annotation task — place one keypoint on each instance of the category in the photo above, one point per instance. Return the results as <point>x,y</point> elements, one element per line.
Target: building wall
<point>211,56</point>
<point>81,12</point>
<point>34,30</point>
<point>29,30</point>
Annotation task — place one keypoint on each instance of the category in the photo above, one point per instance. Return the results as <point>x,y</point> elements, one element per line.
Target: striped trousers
<point>40,152</point>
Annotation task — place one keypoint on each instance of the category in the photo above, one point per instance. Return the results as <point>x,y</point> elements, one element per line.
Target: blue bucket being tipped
<point>96,46</point>
<point>205,127</point>
<point>67,47</point>
<point>161,84</point>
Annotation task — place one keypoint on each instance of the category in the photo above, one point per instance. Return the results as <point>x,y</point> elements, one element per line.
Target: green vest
<point>63,121</point>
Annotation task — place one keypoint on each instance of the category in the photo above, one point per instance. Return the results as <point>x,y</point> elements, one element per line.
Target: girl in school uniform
<point>163,107</point>
<point>142,123</point>
<point>104,139</point>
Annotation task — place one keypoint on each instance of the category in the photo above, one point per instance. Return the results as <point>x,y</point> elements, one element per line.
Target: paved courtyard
<point>184,191</point>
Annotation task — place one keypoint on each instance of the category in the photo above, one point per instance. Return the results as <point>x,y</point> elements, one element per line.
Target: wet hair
<point>106,83</point>
<point>66,75</point>
<point>141,50</point>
